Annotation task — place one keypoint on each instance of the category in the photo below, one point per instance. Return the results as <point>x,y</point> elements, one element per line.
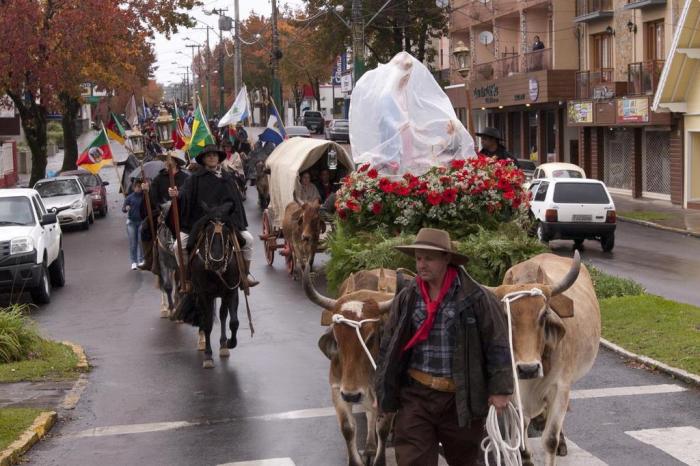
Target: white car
<point>559,170</point>
<point>573,208</point>
<point>31,253</point>
<point>67,197</point>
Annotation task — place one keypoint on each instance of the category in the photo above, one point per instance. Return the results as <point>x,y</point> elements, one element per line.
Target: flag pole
<point>116,169</point>
<point>279,115</point>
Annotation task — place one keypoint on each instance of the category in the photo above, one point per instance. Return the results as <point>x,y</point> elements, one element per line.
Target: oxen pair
<point>556,331</point>
<point>302,227</point>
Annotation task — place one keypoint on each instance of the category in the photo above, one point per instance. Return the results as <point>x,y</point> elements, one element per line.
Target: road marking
<point>576,456</point>
<point>270,462</point>
<point>626,391</point>
<point>132,429</point>
<point>683,443</point>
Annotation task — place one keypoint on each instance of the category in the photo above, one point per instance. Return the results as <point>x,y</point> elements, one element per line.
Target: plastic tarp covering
<point>401,121</point>
<point>287,161</point>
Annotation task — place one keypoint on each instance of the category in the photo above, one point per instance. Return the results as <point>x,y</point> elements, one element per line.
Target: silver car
<point>68,199</point>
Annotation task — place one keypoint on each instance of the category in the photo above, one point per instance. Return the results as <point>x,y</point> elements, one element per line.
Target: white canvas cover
<point>289,159</point>
<point>401,121</point>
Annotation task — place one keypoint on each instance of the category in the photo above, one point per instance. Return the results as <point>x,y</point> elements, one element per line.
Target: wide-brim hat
<point>432,239</point>
<point>176,156</point>
<point>210,149</point>
<point>491,132</point>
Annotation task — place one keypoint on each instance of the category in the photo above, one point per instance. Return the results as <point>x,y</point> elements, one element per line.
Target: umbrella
<point>150,169</point>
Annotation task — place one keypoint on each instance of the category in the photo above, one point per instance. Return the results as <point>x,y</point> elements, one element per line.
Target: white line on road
<point>683,443</point>
<point>270,462</point>
<point>132,429</point>
<point>577,456</point>
<point>626,391</point>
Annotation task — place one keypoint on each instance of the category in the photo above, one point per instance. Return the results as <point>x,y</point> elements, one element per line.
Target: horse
<point>262,183</point>
<point>214,273</point>
<point>167,264</point>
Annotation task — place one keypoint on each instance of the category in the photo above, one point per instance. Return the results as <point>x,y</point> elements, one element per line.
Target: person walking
<point>491,145</point>
<point>132,207</point>
<point>444,358</point>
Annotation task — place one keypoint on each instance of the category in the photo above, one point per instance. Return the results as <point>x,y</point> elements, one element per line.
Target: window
<point>58,188</point>
<point>16,211</point>
<point>602,51</point>
<point>654,40</point>
<point>39,211</point>
<point>580,193</point>
<point>542,191</point>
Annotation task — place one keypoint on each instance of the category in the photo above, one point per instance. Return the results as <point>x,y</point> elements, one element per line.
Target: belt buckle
<point>436,384</point>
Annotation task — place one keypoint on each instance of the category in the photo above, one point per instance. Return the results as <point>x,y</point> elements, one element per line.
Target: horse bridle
<point>227,248</point>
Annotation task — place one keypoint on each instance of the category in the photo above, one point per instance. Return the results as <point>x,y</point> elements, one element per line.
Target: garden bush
<point>608,286</point>
<point>54,133</point>
<point>18,334</point>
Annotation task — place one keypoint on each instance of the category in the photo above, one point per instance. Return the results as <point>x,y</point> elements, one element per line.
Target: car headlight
<point>97,197</point>
<point>79,204</point>
<point>21,245</point>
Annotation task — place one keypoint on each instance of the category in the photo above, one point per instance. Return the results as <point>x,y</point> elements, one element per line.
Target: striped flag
<point>97,154</point>
<point>201,134</point>
<point>115,130</point>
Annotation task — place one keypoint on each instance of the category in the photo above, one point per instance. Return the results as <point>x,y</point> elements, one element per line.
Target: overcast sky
<point>167,49</point>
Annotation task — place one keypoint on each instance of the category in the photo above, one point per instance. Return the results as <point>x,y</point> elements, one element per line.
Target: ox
<point>352,373</point>
<point>555,339</point>
<point>302,228</point>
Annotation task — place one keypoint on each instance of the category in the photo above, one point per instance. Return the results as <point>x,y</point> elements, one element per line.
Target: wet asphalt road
<point>149,402</point>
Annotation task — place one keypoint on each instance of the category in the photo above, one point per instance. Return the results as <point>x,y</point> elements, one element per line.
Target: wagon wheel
<point>270,240</point>
<point>289,257</point>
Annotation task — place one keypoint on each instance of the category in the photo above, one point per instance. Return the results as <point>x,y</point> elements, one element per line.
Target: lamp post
<point>136,145</point>
<point>462,55</point>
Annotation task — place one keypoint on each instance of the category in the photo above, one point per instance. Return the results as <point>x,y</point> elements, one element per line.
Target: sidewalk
<point>658,214</point>
<point>56,162</point>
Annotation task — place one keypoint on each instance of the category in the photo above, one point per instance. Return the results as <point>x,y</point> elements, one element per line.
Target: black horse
<point>214,274</point>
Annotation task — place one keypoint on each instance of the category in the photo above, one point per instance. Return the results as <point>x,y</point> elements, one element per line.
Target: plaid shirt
<point>434,355</point>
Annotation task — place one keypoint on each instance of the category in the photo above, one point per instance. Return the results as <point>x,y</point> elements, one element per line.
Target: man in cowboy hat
<point>214,187</point>
<point>491,145</point>
<point>444,358</point>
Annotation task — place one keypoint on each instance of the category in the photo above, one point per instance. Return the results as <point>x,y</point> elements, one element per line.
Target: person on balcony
<point>536,64</point>
<point>538,45</point>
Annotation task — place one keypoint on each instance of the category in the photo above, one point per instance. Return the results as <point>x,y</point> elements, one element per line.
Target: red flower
<point>377,208</point>
<point>434,198</point>
<point>402,190</point>
<point>364,168</point>
<point>445,179</point>
<point>373,174</point>
<point>504,185</point>
<point>356,194</point>
<point>458,164</point>
<point>353,206</point>
<point>510,195</point>
<point>343,214</point>
<point>449,195</point>
<point>386,185</point>
<point>413,181</point>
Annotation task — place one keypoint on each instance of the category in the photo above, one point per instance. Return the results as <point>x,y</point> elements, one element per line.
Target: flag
<point>93,163</point>
<point>115,130</point>
<point>201,134</point>
<point>274,132</point>
<point>239,111</point>
<point>132,115</point>
<point>146,111</point>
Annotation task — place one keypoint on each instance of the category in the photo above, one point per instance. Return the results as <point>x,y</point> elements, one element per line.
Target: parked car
<point>528,167</point>
<point>31,253</point>
<point>573,208</point>
<point>68,199</point>
<point>338,130</point>
<point>297,132</point>
<point>96,187</point>
<point>314,121</point>
<point>559,170</point>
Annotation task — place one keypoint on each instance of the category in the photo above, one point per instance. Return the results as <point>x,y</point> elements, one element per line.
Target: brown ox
<point>555,339</point>
<point>302,227</point>
<point>351,373</point>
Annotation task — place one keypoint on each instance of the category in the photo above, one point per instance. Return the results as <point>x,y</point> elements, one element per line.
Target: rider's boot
<point>248,278</point>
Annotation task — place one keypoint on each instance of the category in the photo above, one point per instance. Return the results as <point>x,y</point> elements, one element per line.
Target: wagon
<point>287,161</point>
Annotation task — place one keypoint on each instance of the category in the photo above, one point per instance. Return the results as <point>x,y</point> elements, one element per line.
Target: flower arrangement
<point>478,191</point>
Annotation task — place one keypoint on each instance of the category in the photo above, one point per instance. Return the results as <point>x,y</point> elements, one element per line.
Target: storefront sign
<point>534,88</point>
<point>346,82</point>
<point>633,110</point>
<point>488,93</point>
<point>580,112</point>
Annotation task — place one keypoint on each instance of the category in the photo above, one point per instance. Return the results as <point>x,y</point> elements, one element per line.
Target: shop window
<point>515,146</point>
<point>551,133</point>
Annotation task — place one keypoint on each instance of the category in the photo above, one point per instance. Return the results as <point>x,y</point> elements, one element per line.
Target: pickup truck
<point>314,121</point>
<point>31,246</point>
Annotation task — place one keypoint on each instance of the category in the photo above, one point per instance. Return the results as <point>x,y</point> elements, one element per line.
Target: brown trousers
<point>428,417</point>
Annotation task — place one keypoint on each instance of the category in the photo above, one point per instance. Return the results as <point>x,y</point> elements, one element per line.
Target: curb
<point>79,351</point>
<point>645,223</point>
<point>39,428</point>
<point>680,374</point>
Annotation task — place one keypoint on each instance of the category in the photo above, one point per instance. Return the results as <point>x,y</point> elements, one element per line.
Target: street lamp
<point>164,126</point>
<point>462,55</point>
<point>136,144</point>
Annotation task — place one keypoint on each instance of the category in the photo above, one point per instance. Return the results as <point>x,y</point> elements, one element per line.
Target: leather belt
<point>441,384</point>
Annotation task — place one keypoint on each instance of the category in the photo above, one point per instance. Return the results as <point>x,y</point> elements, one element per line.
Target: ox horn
<point>313,295</point>
<point>570,277</point>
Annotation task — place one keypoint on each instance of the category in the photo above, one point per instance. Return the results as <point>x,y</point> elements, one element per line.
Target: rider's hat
<point>209,149</point>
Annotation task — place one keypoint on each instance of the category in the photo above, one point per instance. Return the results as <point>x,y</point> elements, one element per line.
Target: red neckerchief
<point>432,306</point>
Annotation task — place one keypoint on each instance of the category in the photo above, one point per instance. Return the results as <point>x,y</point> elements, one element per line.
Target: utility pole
<point>358,41</point>
<point>194,81</point>
<point>224,25</point>
<point>208,61</point>
<point>276,55</point>
<point>237,68</point>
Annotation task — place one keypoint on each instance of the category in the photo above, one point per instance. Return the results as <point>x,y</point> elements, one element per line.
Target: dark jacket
<point>501,153</point>
<point>481,364</point>
<point>204,187</point>
<point>160,185</point>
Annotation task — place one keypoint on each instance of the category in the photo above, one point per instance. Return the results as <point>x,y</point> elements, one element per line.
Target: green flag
<point>201,134</point>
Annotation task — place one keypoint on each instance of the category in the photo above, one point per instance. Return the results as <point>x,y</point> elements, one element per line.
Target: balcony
<point>501,68</point>
<point>643,77</point>
<point>538,60</point>
<point>590,10</point>
<point>634,4</point>
<point>587,81</point>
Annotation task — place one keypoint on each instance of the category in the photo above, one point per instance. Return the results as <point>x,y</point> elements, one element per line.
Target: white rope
<point>357,324</point>
<point>505,446</point>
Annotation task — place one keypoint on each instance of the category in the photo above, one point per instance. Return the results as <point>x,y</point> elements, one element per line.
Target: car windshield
<point>89,181</point>
<point>16,211</point>
<point>56,188</point>
<point>527,165</point>
<point>566,174</point>
<point>580,193</point>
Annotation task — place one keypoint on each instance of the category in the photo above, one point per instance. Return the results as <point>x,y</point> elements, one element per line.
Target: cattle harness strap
<point>357,325</point>
<point>506,446</point>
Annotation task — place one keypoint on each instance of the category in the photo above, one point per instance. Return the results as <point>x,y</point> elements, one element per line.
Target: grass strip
<point>13,422</point>
<point>645,215</point>
<point>48,360</point>
<point>665,330</point>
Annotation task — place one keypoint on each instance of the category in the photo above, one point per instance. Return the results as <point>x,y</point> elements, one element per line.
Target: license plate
<point>581,218</point>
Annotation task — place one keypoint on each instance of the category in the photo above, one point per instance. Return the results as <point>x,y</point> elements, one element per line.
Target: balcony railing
<point>538,60</point>
<point>632,4</point>
<point>508,65</point>
<point>592,9</point>
<point>586,81</point>
<point>643,77</point>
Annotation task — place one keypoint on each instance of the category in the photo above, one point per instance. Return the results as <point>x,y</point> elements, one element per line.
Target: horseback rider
<point>212,186</point>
